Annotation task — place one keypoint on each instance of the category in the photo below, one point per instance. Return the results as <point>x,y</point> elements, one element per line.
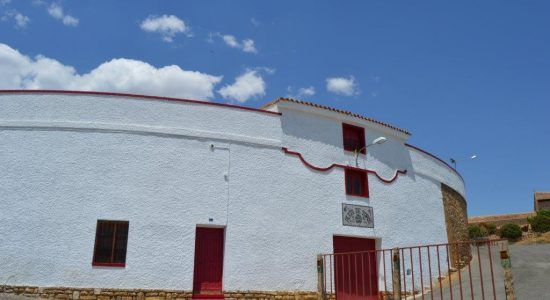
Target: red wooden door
<point>356,274</point>
<point>207,276</point>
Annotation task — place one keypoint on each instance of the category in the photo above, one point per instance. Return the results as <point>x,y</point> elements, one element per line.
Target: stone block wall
<point>65,293</point>
<point>456,221</point>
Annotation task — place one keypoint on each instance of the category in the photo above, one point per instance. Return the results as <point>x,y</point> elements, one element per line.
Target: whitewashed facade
<point>166,167</point>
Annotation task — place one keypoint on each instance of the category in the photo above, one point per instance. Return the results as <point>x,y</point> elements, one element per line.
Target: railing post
<point>396,273</point>
<point>320,278</point>
<point>507,266</point>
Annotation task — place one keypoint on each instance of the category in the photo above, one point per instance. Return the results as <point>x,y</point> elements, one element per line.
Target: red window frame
<point>353,138</point>
<point>111,243</point>
<point>354,177</point>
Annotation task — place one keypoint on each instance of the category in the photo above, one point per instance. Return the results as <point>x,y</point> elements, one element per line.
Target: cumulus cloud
<point>166,25</point>
<point>117,75</point>
<point>21,21</point>
<point>342,86</point>
<point>247,86</point>
<point>303,92</point>
<point>56,11</point>
<point>246,45</point>
<point>231,41</point>
<point>70,20</point>
<point>309,91</point>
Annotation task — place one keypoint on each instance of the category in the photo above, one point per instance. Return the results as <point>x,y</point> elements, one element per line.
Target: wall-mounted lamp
<point>377,141</point>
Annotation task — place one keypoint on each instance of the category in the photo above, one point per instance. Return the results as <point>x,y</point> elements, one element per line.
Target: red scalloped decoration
<point>402,172</point>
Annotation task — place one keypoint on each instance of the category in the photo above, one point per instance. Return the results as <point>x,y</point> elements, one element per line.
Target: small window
<point>354,138</point>
<point>356,183</point>
<point>111,239</point>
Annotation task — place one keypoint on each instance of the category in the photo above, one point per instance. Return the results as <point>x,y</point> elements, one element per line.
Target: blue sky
<point>465,77</point>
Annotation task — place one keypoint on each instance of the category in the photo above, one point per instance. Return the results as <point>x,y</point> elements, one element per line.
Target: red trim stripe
<point>402,172</point>
<point>138,96</point>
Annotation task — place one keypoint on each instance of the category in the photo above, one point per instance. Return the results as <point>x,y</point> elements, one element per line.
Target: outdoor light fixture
<point>377,141</point>
<point>453,161</point>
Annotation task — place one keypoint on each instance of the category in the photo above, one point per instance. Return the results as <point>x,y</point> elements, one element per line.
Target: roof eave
<point>400,132</point>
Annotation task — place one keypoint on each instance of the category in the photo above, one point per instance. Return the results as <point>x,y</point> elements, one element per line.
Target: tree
<point>510,231</point>
<point>489,227</point>
<point>540,222</point>
<point>476,232</point>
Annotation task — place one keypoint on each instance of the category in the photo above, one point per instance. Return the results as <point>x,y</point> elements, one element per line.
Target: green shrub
<point>474,232</point>
<point>483,231</point>
<point>510,231</point>
<point>489,227</point>
<point>540,222</point>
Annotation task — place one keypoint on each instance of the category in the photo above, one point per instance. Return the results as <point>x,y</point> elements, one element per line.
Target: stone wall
<point>499,220</point>
<point>64,293</point>
<point>456,221</point>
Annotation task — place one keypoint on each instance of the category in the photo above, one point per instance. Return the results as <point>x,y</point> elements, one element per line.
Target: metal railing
<point>460,270</point>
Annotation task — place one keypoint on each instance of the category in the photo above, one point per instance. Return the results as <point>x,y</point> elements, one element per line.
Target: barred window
<point>356,183</point>
<point>111,240</point>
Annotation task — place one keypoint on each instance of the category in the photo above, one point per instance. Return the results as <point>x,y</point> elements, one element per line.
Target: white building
<point>203,196</point>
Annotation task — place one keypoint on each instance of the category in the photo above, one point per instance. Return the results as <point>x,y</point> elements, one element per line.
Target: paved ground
<point>482,284</point>
<point>531,270</point>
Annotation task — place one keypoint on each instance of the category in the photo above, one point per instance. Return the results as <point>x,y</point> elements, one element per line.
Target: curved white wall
<point>69,160</point>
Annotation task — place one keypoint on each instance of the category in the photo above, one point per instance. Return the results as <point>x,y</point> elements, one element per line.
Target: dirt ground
<point>536,239</point>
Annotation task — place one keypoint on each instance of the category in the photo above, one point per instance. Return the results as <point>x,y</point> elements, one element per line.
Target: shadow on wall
<point>322,138</point>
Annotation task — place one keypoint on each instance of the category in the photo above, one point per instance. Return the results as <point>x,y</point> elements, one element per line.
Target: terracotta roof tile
<point>542,195</point>
<point>344,112</point>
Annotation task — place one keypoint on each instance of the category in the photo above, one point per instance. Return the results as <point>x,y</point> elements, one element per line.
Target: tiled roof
<point>344,112</point>
<point>542,195</point>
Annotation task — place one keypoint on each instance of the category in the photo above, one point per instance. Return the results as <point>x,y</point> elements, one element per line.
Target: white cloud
<point>21,21</point>
<point>70,20</point>
<point>4,2</point>
<point>309,91</point>
<point>117,75</point>
<point>342,86</point>
<point>56,11</point>
<point>301,93</point>
<point>246,45</point>
<point>255,22</point>
<point>231,41</point>
<point>167,25</point>
<point>248,85</point>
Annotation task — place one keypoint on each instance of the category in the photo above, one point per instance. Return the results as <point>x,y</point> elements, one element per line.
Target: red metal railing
<point>461,270</point>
